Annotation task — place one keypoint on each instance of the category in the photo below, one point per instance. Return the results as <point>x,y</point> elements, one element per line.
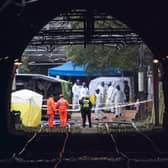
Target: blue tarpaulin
<point>69,69</point>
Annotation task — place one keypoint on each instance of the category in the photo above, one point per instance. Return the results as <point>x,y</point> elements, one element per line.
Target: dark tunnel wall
<point>20,23</point>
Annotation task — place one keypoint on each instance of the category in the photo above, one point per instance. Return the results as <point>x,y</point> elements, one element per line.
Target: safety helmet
<point>61,95</point>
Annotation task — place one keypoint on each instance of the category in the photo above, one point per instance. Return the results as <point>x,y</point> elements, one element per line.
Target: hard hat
<point>61,95</point>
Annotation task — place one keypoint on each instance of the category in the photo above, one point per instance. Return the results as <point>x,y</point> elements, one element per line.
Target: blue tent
<point>69,69</point>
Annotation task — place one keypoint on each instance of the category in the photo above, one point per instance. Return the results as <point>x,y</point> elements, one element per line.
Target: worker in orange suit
<point>51,110</point>
<point>62,106</point>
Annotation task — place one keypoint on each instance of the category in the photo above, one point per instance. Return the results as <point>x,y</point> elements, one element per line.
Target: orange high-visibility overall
<point>62,105</point>
<point>50,111</point>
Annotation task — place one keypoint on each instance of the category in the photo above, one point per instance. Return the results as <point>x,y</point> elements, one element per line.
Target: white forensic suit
<point>84,91</point>
<point>110,98</point>
<point>119,98</point>
<point>102,93</point>
<point>76,93</point>
<point>98,104</point>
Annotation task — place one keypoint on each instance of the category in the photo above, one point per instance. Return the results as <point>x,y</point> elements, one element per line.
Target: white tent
<point>29,103</point>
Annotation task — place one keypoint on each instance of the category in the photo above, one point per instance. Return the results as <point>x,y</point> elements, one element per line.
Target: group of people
<point>111,98</point>
<point>59,107</point>
<point>79,90</point>
<point>108,97</point>
<point>81,97</point>
<point>105,99</point>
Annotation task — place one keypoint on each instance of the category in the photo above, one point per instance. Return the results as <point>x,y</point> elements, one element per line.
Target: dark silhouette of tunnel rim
<point>27,22</point>
<point>14,40</point>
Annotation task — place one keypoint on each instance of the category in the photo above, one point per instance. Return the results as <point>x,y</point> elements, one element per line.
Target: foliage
<point>23,68</point>
<point>97,57</point>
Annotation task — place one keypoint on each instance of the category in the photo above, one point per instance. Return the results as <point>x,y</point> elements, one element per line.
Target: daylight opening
<point>99,65</point>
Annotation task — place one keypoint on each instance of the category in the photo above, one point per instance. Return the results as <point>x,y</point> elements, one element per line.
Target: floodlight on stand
<point>17,62</point>
<point>155,61</point>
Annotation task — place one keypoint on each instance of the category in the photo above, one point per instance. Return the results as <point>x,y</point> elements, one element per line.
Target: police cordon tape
<point>137,103</point>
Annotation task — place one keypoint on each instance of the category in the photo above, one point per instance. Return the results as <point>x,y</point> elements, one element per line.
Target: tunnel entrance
<point>84,35</point>
<point>130,149</point>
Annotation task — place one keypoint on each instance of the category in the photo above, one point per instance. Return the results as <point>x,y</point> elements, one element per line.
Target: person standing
<point>86,106</point>
<point>109,97</point>
<point>62,106</point>
<point>51,110</point>
<point>119,98</point>
<point>84,91</point>
<point>76,93</point>
<point>98,104</point>
<point>127,93</point>
<point>102,92</point>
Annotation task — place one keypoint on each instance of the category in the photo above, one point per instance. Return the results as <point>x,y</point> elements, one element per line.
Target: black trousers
<point>127,101</point>
<point>86,113</point>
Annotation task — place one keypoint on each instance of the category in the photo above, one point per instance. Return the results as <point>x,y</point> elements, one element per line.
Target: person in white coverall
<point>98,104</point>
<point>102,91</point>
<point>119,98</point>
<point>76,93</point>
<point>109,97</point>
<point>84,91</point>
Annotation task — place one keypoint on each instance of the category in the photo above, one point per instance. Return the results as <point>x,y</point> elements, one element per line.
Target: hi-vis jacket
<point>50,106</point>
<point>62,104</point>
